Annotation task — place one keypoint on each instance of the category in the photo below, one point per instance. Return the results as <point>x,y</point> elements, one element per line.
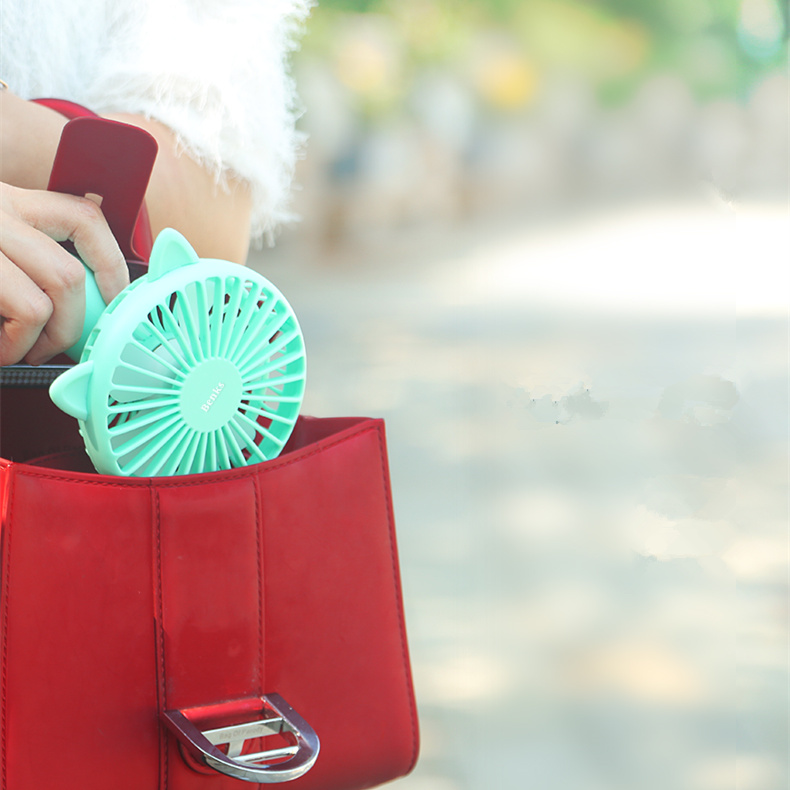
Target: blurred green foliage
<point>508,49</point>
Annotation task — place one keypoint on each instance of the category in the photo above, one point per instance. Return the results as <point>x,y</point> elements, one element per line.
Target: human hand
<point>42,286</point>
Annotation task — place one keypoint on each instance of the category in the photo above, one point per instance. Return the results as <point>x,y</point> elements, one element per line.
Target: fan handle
<point>170,251</point>
<point>94,307</point>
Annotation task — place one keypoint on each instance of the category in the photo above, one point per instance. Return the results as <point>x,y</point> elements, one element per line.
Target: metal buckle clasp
<point>272,716</point>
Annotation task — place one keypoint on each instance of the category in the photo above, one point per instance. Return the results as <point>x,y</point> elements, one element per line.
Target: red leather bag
<point>164,633</point>
<point>132,606</point>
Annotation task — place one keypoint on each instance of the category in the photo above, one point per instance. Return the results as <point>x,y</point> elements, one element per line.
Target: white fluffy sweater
<point>214,71</point>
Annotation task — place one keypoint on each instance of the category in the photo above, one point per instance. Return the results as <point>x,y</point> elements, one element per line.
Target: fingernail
<point>36,359</point>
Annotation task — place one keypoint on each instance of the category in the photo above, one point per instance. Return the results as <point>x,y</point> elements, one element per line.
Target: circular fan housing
<point>197,366</point>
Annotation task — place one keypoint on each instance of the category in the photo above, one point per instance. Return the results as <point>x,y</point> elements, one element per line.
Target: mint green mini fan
<point>197,366</point>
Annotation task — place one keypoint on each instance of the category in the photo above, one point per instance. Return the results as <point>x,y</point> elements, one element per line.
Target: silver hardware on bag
<point>278,718</point>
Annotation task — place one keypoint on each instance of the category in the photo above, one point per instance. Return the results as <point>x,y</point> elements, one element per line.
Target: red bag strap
<point>68,108</point>
<point>110,159</point>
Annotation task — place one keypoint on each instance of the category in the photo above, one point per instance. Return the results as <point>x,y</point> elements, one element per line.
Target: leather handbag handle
<point>142,239</point>
<point>111,160</point>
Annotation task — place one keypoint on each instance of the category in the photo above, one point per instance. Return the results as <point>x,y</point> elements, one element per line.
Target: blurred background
<point>548,241</point>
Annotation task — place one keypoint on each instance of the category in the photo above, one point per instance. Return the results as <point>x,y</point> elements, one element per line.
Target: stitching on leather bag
<point>261,605</point>
<point>240,472</point>
<point>161,686</point>
<point>399,602</point>
<point>7,586</point>
<point>289,462</point>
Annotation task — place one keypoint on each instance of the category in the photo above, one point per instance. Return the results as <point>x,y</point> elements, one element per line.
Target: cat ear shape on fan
<point>171,251</point>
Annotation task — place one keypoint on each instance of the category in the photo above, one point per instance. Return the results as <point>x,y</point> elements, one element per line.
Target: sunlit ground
<point>588,423</point>
<point>675,259</point>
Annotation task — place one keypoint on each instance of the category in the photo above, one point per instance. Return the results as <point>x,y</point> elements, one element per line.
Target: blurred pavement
<point>587,422</point>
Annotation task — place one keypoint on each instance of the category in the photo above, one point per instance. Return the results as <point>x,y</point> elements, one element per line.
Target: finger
<point>25,310</point>
<point>80,220</point>
<point>54,271</point>
<point>98,248</point>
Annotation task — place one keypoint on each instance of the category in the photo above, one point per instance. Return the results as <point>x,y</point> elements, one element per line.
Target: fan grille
<point>234,325</point>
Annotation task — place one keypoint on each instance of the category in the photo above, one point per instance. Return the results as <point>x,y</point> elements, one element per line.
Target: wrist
<point>29,136</point>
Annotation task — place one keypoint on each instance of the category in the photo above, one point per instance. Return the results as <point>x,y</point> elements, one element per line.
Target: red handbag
<point>191,632</point>
<point>139,614</point>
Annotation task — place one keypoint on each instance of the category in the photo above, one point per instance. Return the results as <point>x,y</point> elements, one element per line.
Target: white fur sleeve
<point>215,72</point>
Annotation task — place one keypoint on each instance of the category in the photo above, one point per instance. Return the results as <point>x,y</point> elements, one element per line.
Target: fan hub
<point>210,394</point>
